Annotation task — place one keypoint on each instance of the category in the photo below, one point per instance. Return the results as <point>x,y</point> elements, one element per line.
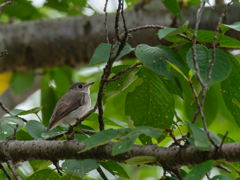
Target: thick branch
<point>72,40</point>
<point>171,158</point>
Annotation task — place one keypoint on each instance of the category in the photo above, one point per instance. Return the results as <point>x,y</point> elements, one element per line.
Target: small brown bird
<point>74,104</point>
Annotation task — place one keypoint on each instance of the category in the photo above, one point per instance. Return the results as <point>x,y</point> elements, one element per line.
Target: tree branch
<point>170,158</point>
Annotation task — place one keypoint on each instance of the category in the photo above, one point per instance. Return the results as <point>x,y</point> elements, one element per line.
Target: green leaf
<point>230,89</point>
<point>207,1</point>
<point>173,87</point>
<point>107,121</point>
<point>227,139</point>
<point>172,6</point>
<point>221,177</point>
<point>222,66</point>
<point>141,160</point>
<point>7,125</point>
<point>21,82</point>
<point>177,69</point>
<point>48,174</point>
<point>150,104</point>
<point>15,112</point>
<point>118,86</point>
<point>51,133</point>
<point>80,168</point>
<point>102,53</point>
<point>200,137</point>
<point>102,137</point>
<point>156,59</point>
<point>235,26</point>
<point>172,31</point>
<point>80,137</point>
<point>35,129</point>
<point>198,172</point>
<point>114,168</point>
<point>71,177</point>
<point>23,136</point>
<point>38,164</point>
<point>125,142</point>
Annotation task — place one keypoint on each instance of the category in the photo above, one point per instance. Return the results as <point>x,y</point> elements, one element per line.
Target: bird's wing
<point>64,108</point>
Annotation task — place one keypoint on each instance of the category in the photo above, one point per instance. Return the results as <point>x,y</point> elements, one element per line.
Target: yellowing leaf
<point>5,80</point>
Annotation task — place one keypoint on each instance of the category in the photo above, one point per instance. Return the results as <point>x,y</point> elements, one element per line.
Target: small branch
<point>55,163</point>
<point>117,21</point>
<point>214,41</point>
<point>111,79</point>
<point>6,3</point>
<point>8,112</point>
<point>105,23</point>
<point>178,174</point>
<point>176,142</point>
<point>5,171</point>
<point>125,70</point>
<point>100,171</point>
<point>208,177</point>
<point>224,137</point>
<point>14,171</point>
<point>224,168</point>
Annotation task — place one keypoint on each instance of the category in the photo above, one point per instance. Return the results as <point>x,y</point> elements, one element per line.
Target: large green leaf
<point>23,136</point>
<point>156,59</point>
<point>102,137</point>
<point>200,138</point>
<point>102,53</point>
<point>141,160</point>
<point>35,129</point>
<point>49,174</point>
<point>71,177</point>
<point>222,66</point>
<point>94,118</point>
<point>21,82</point>
<point>7,125</point>
<point>221,177</point>
<point>38,164</point>
<point>125,142</point>
<point>230,89</point>
<point>15,112</point>
<point>207,37</point>
<point>114,168</point>
<point>198,172</point>
<point>172,6</point>
<point>235,26</point>
<point>172,31</point>
<point>118,86</point>
<point>80,168</point>
<point>150,104</point>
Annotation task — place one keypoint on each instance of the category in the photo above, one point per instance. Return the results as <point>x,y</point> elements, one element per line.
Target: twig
<point>117,22</point>
<point>14,171</point>
<point>8,112</point>
<point>178,174</point>
<point>176,142</point>
<point>105,23</point>
<point>208,177</point>
<point>224,137</point>
<point>4,108</point>
<point>55,163</point>
<point>224,168</point>
<point>5,171</point>
<point>104,177</point>
<point>6,3</point>
<point>125,70</point>
<point>5,52</point>
<point>198,17</point>
<point>214,41</point>
<point>111,79</point>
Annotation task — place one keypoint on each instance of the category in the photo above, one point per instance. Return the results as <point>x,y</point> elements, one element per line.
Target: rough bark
<point>170,158</point>
<point>72,40</point>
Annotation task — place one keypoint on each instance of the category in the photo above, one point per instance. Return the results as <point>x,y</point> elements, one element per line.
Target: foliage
<point>147,100</point>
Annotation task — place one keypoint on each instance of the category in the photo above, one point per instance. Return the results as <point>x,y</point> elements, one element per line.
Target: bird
<point>74,104</point>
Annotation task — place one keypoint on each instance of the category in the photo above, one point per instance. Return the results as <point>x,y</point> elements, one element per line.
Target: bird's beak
<point>89,84</point>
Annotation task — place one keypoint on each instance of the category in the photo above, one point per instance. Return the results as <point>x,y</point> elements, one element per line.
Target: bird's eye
<point>80,86</point>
